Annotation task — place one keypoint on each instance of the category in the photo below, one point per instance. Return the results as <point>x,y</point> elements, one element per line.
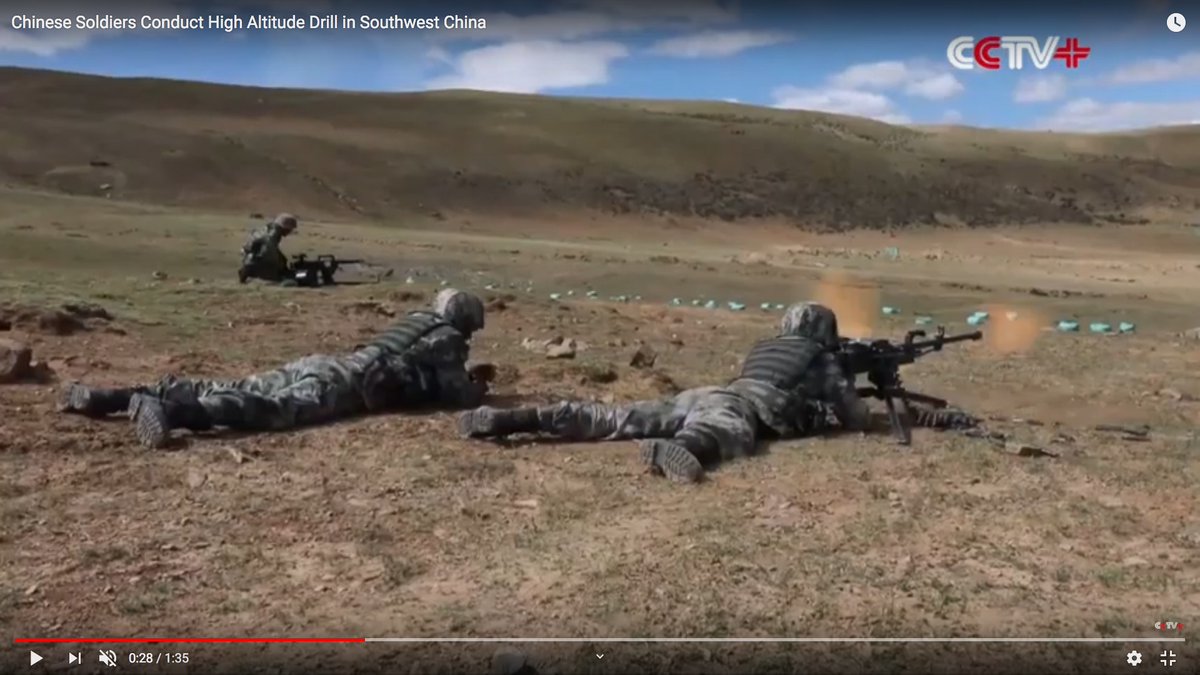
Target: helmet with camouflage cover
<point>286,223</point>
<point>811,320</point>
<point>463,310</point>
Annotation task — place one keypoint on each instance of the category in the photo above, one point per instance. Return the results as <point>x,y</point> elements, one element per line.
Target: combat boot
<point>487,421</point>
<point>153,418</point>
<point>672,459</point>
<point>93,402</point>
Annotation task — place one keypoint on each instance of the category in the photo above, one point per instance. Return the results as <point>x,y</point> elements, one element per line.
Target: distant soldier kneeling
<point>261,256</point>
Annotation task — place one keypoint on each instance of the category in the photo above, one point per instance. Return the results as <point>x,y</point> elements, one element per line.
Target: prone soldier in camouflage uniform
<point>421,360</point>
<point>682,434</point>
<point>261,256</point>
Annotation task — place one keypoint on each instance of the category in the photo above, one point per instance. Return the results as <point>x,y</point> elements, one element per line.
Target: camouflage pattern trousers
<point>310,390</point>
<point>713,423</point>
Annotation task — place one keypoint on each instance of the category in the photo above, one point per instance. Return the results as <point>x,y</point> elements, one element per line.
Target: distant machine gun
<point>880,360</point>
<point>317,272</point>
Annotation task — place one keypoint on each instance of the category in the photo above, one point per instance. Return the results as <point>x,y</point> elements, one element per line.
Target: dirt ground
<point>391,526</point>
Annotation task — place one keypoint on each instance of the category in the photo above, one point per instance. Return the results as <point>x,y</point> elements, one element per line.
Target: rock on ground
<point>644,357</point>
<point>15,359</point>
<point>554,348</point>
<point>65,320</point>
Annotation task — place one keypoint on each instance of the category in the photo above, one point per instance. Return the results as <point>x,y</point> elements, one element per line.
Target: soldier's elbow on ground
<point>857,416</point>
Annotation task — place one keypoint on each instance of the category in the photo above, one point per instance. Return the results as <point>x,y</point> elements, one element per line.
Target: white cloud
<point>716,43</point>
<point>952,117</point>
<point>1184,66</point>
<point>840,101</point>
<point>43,43</point>
<point>879,75</point>
<point>530,67</point>
<point>860,89</point>
<point>1087,114</point>
<point>1040,88</point>
<point>935,88</point>
<point>915,78</point>
<point>439,55</point>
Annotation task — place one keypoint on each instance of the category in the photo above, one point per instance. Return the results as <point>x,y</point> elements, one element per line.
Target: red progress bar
<point>185,640</point>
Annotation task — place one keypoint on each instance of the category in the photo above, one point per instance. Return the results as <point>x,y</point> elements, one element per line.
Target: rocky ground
<point>1075,518</point>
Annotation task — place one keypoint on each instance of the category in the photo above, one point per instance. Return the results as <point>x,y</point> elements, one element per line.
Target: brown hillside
<point>416,155</point>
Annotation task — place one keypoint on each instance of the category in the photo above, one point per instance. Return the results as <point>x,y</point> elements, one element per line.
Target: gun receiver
<point>880,361</point>
<point>318,272</point>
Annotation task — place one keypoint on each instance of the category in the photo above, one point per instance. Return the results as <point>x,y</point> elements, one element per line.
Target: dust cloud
<point>855,302</point>
<point>1012,329</point>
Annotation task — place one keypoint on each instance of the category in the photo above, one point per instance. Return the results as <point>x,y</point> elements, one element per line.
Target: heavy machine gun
<point>880,361</point>
<point>319,271</point>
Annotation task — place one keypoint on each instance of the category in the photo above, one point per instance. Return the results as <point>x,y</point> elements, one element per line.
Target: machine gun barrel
<point>940,339</point>
<point>330,258</point>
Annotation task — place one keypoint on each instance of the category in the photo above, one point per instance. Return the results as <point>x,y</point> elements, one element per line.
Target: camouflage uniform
<point>261,256</point>
<point>421,360</point>
<point>707,425</point>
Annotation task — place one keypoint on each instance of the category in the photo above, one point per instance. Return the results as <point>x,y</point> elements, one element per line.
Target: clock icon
<point>1176,22</point>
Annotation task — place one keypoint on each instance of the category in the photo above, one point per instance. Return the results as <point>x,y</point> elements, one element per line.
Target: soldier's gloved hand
<point>816,417</point>
<point>472,397</point>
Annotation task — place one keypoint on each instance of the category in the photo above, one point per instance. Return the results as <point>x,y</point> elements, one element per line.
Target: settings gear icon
<point>1133,658</point>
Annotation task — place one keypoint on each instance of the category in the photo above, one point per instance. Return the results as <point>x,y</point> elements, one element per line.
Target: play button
<point>34,657</point>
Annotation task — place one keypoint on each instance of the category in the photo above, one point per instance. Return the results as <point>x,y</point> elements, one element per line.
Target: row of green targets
<point>730,305</point>
<point>595,295</point>
<point>980,318</point>
<point>1068,326</point>
<point>977,318</point>
<point>413,280</point>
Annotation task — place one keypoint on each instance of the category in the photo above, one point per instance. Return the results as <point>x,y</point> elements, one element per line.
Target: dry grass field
<point>393,526</point>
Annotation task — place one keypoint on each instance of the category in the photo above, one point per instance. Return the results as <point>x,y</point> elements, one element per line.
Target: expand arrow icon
<point>34,657</point>
<point>599,656</point>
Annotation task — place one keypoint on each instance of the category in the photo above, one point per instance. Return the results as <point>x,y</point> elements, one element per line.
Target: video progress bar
<point>594,640</point>
<point>736,640</point>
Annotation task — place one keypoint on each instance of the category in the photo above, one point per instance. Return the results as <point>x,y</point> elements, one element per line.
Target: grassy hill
<point>401,156</point>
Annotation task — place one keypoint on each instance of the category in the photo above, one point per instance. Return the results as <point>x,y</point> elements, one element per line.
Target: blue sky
<point>860,58</point>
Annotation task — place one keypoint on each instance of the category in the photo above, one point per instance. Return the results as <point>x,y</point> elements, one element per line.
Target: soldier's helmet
<point>811,320</point>
<point>463,310</point>
<point>286,223</point>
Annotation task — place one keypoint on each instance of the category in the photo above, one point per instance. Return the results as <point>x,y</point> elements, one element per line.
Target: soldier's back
<point>780,361</point>
<point>404,334</point>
